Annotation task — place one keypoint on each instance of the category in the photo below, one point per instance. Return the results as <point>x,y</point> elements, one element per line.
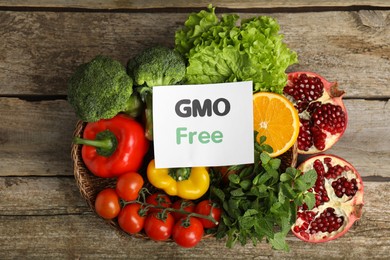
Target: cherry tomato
<point>159,229</point>
<point>187,232</point>
<point>128,185</point>
<point>185,205</point>
<point>158,199</point>
<point>204,208</point>
<point>131,219</point>
<point>107,204</point>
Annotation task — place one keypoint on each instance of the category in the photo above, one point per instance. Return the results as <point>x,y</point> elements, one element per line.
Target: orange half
<point>276,118</point>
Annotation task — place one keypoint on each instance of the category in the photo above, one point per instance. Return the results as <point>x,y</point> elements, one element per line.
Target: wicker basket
<point>90,185</point>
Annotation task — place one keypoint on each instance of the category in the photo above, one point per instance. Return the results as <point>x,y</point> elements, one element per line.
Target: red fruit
<point>339,200</point>
<point>132,218</point>
<point>188,232</point>
<point>128,185</point>
<point>322,113</point>
<point>160,200</point>
<point>208,208</point>
<point>107,204</point>
<point>159,228</point>
<point>185,205</point>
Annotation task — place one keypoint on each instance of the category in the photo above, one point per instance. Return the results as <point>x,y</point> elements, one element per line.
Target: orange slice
<point>276,118</point>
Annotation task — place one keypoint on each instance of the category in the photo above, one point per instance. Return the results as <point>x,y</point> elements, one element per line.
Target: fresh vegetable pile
<point>318,201</point>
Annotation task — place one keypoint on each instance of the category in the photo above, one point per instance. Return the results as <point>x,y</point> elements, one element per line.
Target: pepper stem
<point>105,143</point>
<point>180,174</point>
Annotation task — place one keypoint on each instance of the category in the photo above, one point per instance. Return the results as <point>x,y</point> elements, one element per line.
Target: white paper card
<point>203,125</point>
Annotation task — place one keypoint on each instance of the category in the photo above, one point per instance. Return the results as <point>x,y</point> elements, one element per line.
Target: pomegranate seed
<point>321,194</point>
<point>301,106</point>
<point>327,160</point>
<point>342,186</point>
<point>327,221</point>
<point>334,171</point>
<point>329,117</point>
<point>319,138</point>
<point>305,88</point>
<point>313,106</point>
<point>304,234</point>
<point>305,137</point>
<point>319,167</point>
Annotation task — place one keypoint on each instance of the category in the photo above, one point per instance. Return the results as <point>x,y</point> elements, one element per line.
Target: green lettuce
<point>221,50</point>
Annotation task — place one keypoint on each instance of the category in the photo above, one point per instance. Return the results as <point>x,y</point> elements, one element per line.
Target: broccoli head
<point>157,66</point>
<point>100,89</point>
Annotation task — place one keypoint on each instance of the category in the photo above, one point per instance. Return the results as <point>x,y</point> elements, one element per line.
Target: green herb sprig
<point>260,202</point>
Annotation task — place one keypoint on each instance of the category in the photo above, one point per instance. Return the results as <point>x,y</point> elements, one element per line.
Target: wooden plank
<point>356,52</point>
<point>47,196</point>
<point>44,196</point>
<point>84,235</point>
<point>140,4</point>
<point>36,137</point>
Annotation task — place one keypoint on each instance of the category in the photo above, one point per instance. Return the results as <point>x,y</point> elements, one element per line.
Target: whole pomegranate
<point>338,200</point>
<point>322,114</point>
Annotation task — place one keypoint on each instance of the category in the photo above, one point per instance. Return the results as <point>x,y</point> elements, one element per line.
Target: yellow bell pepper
<point>187,183</point>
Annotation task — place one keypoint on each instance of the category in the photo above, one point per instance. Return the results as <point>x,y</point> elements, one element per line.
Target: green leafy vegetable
<point>100,89</point>
<point>260,202</point>
<point>220,50</point>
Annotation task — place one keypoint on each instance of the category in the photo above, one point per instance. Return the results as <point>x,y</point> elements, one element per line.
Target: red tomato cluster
<point>158,217</point>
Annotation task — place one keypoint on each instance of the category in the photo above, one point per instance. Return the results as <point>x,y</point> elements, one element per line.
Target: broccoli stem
<point>148,116</point>
<point>134,105</point>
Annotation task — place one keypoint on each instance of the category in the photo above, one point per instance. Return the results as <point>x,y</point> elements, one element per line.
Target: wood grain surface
<point>157,4</point>
<point>43,215</point>
<point>60,226</point>
<point>42,49</point>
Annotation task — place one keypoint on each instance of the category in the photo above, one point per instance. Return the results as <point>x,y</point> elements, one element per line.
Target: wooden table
<point>42,214</point>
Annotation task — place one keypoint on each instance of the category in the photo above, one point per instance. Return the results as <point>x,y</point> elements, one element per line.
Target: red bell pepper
<point>113,146</point>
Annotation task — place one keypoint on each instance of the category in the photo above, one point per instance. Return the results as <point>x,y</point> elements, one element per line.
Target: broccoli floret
<point>157,66</point>
<point>100,89</point>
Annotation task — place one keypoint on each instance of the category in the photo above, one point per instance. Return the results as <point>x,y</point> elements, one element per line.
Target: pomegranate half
<point>322,113</point>
<point>339,200</point>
